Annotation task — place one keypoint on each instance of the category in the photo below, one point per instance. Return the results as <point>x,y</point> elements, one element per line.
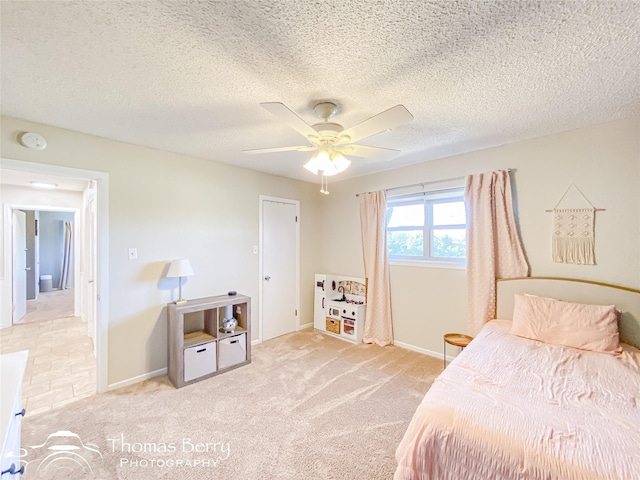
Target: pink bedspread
<point>511,408</point>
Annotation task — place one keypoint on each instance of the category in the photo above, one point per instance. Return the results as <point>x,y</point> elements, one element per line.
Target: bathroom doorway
<point>50,267</point>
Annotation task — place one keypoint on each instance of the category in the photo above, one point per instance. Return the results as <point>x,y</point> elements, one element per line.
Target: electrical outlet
<point>133,254</point>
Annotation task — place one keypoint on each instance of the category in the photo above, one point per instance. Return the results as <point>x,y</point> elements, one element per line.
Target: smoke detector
<point>32,140</point>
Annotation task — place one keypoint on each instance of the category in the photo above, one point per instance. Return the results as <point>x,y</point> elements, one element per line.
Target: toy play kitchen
<point>339,306</point>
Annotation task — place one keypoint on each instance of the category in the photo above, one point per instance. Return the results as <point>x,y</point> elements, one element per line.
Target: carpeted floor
<point>307,407</point>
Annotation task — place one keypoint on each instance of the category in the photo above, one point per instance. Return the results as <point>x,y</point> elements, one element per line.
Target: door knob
<point>267,278</point>
<point>27,268</point>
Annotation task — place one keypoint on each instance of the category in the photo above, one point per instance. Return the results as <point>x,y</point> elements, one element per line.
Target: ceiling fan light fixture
<point>311,166</point>
<point>319,161</point>
<point>329,163</point>
<point>342,139</point>
<point>340,162</point>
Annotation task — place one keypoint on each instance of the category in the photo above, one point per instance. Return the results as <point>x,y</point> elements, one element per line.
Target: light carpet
<point>307,407</point>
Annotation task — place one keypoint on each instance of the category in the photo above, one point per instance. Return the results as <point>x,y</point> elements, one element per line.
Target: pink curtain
<point>493,246</point>
<point>378,326</point>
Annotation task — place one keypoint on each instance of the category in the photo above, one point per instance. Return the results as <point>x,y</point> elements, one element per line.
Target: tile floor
<point>61,368</point>
<point>49,306</point>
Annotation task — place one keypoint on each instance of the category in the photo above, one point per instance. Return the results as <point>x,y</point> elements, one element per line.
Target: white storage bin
<point>199,360</point>
<point>46,283</point>
<point>233,350</point>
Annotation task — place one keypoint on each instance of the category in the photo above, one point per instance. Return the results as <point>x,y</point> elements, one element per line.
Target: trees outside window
<point>428,227</point>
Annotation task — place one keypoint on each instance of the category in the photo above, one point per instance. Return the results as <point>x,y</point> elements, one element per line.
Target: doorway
<point>52,291</point>
<point>95,188</point>
<point>279,259</point>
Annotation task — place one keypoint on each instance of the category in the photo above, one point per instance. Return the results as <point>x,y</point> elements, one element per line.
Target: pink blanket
<point>511,408</point>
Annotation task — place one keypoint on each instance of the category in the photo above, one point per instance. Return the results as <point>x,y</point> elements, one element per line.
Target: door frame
<point>13,215</point>
<point>102,251</point>
<point>261,200</point>
<point>8,217</point>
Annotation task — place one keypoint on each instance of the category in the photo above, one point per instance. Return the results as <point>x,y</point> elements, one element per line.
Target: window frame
<point>428,199</point>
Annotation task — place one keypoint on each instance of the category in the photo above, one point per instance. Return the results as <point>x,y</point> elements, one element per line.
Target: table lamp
<point>179,269</point>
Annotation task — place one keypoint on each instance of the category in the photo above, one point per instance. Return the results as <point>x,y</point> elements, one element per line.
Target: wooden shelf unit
<point>199,323</point>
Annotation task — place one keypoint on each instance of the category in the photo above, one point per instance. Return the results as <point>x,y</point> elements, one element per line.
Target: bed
<point>514,408</point>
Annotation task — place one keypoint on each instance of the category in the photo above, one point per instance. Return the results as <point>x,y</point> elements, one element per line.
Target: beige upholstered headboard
<point>627,300</point>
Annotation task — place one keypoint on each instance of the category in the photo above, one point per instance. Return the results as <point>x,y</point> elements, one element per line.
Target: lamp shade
<point>180,268</point>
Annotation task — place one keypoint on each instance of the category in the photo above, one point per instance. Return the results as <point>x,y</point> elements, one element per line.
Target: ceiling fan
<point>331,140</point>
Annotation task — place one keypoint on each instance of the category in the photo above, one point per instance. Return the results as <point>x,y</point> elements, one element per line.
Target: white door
<point>90,257</point>
<point>19,265</point>
<point>279,286</point>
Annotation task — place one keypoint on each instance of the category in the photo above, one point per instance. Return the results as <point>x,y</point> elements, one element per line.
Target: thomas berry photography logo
<point>62,455</point>
<point>185,453</point>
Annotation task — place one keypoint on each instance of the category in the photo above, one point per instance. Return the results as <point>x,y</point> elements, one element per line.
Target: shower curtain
<point>66,255</point>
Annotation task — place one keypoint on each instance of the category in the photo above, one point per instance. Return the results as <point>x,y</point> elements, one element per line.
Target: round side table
<point>458,339</point>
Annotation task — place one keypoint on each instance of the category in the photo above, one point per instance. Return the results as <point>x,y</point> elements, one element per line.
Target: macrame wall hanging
<point>573,239</point>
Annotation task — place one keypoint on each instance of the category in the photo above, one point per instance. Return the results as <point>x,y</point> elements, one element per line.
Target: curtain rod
<point>423,184</point>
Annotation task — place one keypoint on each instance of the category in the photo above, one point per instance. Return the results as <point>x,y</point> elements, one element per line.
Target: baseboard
<point>300,327</point>
<point>421,350</point>
<point>139,378</point>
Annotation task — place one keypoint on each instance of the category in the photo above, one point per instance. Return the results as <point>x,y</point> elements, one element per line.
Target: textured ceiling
<point>188,76</point>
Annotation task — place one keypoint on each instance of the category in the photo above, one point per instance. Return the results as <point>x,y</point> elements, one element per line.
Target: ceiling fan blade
<point>379,123</point>
<point>378,153</point>
<point>305,148</point>
<point>283,112</point>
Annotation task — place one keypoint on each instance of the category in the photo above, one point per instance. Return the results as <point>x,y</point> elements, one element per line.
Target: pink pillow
<point>577,325</point>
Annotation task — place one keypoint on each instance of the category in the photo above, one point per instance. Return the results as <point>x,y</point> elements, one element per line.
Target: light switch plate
<point>133,254</point>
<point>255,249</point>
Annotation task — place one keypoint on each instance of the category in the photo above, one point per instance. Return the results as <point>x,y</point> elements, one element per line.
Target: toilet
<point>46,283</point>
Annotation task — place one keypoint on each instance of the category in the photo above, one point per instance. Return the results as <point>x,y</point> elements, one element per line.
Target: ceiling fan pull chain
<point>324,185</point>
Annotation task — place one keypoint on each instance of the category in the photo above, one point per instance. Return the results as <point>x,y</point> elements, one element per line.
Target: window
<point>429,227</point>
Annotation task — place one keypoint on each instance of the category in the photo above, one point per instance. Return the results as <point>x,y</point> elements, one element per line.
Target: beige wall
<point>602,160</point>
<point>171,206</point>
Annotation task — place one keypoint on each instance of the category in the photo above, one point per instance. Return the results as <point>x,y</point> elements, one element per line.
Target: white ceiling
<point>188,76</point>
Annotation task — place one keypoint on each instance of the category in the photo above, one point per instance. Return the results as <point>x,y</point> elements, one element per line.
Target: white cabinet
<point>350,321</point>
<point>12,367</point>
